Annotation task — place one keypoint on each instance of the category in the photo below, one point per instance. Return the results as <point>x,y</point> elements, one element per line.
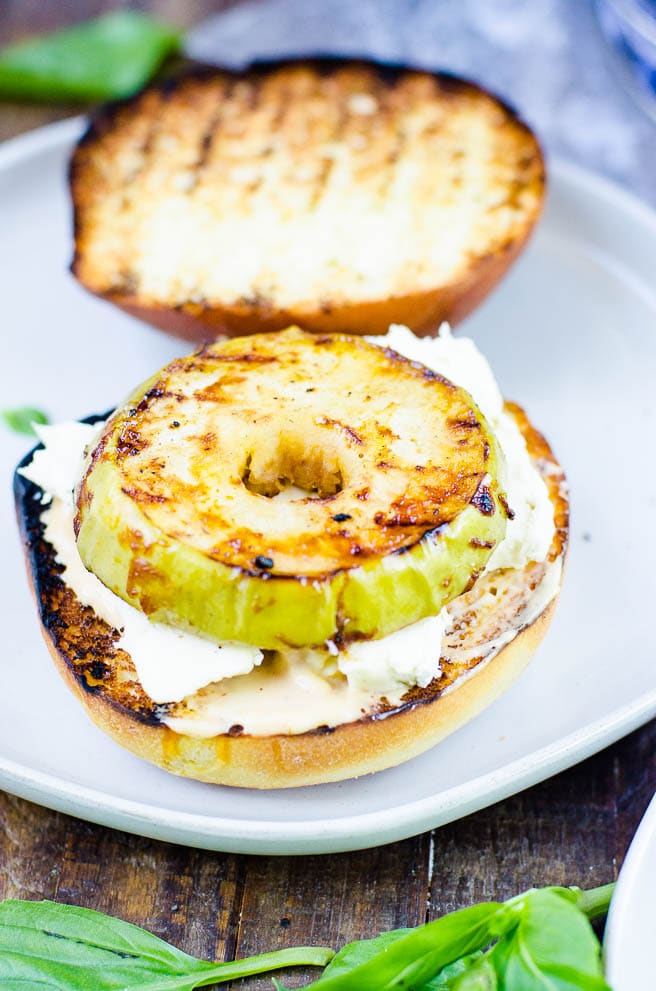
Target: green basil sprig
<point>110,57</point>
<point>22,418</point>
<point>539,941</point>
<point>50,946</point>
<point>552,945</point>
<point>409,959</point>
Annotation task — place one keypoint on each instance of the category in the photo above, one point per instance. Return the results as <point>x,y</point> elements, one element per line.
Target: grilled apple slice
<point>186,510</point>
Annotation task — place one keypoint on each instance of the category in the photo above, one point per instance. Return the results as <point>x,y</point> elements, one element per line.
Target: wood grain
<point>573,829</point>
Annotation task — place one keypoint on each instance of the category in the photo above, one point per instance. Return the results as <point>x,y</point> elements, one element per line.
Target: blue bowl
<point>630,28</point>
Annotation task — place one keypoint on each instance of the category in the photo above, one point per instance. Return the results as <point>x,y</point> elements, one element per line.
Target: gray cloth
<point>545,57</point>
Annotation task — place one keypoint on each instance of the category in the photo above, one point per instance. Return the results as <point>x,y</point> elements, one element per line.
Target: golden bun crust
<point>349,751</point>
<point>101,675</point>
<point>284,154</point>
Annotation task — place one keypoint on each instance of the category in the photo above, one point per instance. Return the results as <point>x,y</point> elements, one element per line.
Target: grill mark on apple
<point>129,443</point>
<point>468,422</point>
<point>327,421</point>
<point>141,574</point>
<point>482,501</point>
<point>510,513</point>
<point>248,357</point>
<point>138,495</point>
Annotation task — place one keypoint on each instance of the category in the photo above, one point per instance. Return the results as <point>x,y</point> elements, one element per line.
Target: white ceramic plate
<point>571,336</point>
<point>631,926</point>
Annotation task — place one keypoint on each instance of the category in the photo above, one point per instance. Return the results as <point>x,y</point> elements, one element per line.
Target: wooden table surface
<point>573,829</point>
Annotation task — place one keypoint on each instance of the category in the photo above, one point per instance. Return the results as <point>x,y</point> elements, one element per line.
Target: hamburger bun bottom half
<point>499,645</point>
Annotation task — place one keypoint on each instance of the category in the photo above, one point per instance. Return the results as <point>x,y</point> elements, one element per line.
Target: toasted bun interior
<point>312,192</point>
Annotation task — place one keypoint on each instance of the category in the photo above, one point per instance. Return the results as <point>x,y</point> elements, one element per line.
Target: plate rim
<point>337,835</point>
<point>346,832</point>
<point>619,912</point>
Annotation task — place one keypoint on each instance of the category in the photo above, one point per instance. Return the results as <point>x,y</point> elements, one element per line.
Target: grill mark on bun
<point>244,136</point>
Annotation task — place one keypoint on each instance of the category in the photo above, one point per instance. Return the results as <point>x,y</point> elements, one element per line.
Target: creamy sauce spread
<point>169,662</point>
<point>285,694</point>
<point>214,688</point>
<point>529,534</point>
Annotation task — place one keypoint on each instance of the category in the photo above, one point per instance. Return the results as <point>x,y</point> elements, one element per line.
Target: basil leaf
<point>413,959</point>
<point>354,954</point>
<point>447,979</point>
<point>21,418</point>
<point>552,948</point>
<point>480,977</point>
<point>112,56</point>
<point>65,948</point>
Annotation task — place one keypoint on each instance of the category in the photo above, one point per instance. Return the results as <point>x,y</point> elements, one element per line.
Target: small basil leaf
<point>413,959</point>
<point>447,978</point>
<point>552,947</point>
<point>358,952</point>
<point>481,976</point>
<point>21,418</point>
<point>112,56</point>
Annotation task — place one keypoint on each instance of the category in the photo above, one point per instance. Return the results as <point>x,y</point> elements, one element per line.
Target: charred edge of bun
<point>423,311</point>
<point>85,645</point>
<point>102,676</point>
